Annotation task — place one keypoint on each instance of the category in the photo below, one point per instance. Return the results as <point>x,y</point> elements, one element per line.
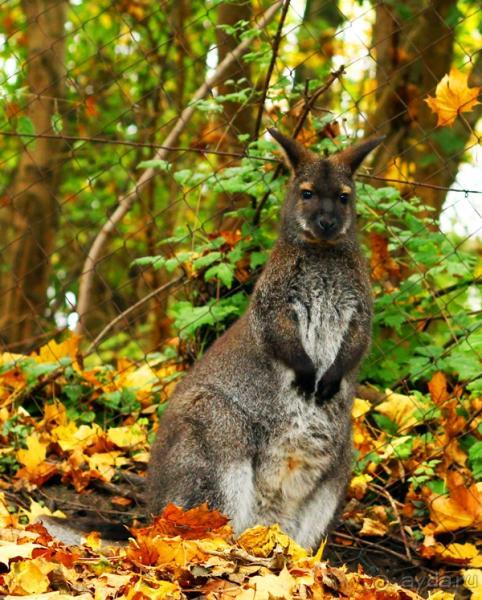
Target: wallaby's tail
<point>70,531</point>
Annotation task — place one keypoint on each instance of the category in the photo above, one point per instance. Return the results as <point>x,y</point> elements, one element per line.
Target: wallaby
<point>260,428</point>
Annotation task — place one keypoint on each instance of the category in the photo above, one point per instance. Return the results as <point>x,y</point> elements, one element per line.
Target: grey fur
<point>261,426</point>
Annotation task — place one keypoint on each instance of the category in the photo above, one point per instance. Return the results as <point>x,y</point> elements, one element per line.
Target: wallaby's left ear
<point>354,156</point>
<point>295,153</point>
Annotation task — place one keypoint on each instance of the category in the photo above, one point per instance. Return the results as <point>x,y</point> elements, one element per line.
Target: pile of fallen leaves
<point>416,492</point>
<point>181,554</point>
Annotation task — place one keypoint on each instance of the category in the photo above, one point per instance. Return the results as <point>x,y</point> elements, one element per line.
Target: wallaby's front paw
<point>326,389</point>
<point>305,382</point>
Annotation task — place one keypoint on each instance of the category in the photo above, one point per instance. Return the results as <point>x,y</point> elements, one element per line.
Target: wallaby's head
<point>320,204</point>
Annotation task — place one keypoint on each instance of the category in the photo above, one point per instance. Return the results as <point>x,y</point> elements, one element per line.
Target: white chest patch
<point>323,321</point>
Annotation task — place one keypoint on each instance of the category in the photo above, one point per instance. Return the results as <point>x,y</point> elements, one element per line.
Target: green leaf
<point>178,260</point>
<point>25,127</point>
<point>206,260</point>
<point>156,262</point>
<point>404,449</point>
<point>188,318</point>
<point>224,272</point>
<point>385,423</point>
<point>257,259</point>
<point>57,123</point>
<point>475,460</point>
<point>155,163</point>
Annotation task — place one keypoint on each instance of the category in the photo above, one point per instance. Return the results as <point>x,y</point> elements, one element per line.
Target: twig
<point>274,56</point>
<point>114,490</point>
<point>125,202</point>
<point>299,125</point>
<point>354,538</point>
<point>128,311</point>
<point>418,184</point>
<point>387,495</point>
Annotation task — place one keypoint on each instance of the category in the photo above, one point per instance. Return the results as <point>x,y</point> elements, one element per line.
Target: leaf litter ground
<point>75,441</point>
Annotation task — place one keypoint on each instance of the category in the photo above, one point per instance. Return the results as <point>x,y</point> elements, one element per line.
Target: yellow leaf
<point>141,378</point>
<point>263,541</point>
<point>127,437</point>
<point>54,414</point>
<point>28,577</point>
<point>401,409</point>
<point>53,596</point>
<point>466,554</point>
<point>35,453</point>
<point>371,527</point>
<point>106,463</point>
<point>360,408</point>
<point>270,587</point>
<point>359,484</point>
<point>441,595</point>
<point>92,540</point>
<point>8,357</point>
<point>36,510</point>
<point>473,582</point>
<point>375,523</point>
<point>6,518</point>
<point>452,97</point>
<point>52,352</point>
<point>70,436</point>
<point>158,590</point>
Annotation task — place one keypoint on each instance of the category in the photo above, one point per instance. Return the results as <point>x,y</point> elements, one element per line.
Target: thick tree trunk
<point>316,41</point>
<point>33,195</point>
<point>412,56</point>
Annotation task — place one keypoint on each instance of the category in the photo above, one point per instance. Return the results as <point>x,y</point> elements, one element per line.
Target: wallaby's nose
<point>326,224</point>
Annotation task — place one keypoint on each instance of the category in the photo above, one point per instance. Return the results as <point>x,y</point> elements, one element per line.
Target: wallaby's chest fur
<point>260,428</point>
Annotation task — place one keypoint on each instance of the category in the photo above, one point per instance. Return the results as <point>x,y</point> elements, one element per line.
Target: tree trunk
<point>33,195</point>
<point>412,57</point>
<point>316,41</point>
<point>237,118</point>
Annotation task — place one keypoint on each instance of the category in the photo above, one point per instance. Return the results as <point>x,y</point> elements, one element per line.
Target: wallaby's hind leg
<point>202,454</point>
<point>319,513</point>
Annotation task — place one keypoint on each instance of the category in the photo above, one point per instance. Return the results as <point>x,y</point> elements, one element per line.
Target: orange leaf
<point>121,501</point>
<point>452,97</point>
<point>462,507</point>
<point>91,106</point>
<point>437,387</point>
<point>382,264</point>
<point>196,523</point>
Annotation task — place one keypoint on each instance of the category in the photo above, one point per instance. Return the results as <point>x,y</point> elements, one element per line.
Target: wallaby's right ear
<point>295,153</point>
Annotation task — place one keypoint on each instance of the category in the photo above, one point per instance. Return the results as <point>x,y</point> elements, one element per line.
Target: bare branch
<point>126,201</point>
<point>125,313</point>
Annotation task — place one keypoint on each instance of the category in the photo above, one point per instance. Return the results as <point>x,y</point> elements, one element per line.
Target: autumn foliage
<point>405,481</point>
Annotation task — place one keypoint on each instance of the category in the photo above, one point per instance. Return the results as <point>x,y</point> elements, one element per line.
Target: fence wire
<point>92,90</point>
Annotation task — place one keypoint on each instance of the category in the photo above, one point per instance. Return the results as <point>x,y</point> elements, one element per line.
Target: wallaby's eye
<point>343,197</point>
<point>306,194</point>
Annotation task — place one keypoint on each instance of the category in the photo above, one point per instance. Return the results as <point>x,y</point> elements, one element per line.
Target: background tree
<point>33,207</point>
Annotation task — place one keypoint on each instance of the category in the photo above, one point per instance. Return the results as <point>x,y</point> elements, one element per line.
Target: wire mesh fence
<point>140,190</point>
